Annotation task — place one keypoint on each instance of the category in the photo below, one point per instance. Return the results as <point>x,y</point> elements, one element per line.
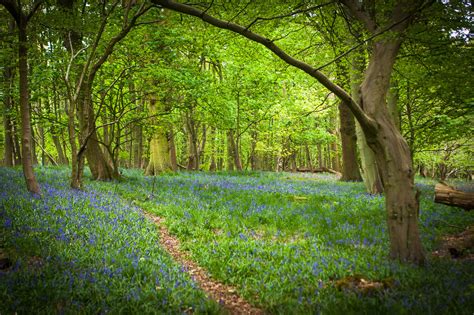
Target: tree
<point>160,159</point>
<point>22,18</point>
<point>81,94</point>
<point>371,111</point>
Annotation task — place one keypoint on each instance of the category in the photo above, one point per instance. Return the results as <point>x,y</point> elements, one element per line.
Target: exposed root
<point>224,294</point>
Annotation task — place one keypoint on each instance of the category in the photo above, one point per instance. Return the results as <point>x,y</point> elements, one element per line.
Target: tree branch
<point>288,14</point>
<point>363,119</point>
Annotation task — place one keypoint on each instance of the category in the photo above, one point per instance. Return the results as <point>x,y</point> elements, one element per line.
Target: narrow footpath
<point>224,294</point>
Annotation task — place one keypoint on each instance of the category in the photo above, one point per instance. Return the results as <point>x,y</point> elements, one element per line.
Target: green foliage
<point>284,240</point>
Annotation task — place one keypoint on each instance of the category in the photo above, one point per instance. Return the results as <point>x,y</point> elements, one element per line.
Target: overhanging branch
<point>361,117</point>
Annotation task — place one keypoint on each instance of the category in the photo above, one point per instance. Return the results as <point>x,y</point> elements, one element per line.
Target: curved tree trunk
<point>393,157</point>
<point>391,150</point>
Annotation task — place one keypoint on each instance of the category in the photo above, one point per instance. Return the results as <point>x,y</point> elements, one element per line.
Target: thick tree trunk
<point>98,164</point>
<point>26,137</point>
<point>393,157</point>
<point>160,160</point>
<point>350,167</point>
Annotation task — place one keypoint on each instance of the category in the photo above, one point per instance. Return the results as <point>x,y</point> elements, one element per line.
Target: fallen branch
<point>451,196</point>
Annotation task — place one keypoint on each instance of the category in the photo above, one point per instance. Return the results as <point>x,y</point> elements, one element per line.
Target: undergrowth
<point>286,241</point>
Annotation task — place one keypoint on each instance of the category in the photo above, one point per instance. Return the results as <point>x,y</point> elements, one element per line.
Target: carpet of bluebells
<point>84,252</point>
<point>283,240</point>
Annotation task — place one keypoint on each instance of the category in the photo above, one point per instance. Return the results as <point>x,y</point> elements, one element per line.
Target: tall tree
<point>81,97</point>
<point>160,158</point>
<point>22,18</point>
<point>391,150</point>
<point>8,80</point>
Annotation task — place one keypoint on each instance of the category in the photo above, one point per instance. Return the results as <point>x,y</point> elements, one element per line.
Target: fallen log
<point>451,196</point>
<point>318,170</point>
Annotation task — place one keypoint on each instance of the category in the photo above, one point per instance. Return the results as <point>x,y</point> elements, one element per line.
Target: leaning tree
<point>386,24</point>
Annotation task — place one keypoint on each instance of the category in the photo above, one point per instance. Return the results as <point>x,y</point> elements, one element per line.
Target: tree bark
<point>8,72</point>
<point>393,156</point>
<point>391,150</point>
<point>212,164</point>
<point>350,167</point>
<point>369,168</point>
<point>98,164</point>
<point>234,150</point>
<point>452,197</point>
<point>172,149</point>
<point>160,160</point>
<point>26,137</point>
<point>230,152</point>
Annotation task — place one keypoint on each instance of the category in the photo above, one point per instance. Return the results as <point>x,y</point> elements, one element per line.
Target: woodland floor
<point>225,295</point>
<point>238,243</point>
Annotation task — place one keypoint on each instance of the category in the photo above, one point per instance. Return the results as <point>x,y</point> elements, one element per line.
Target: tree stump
<point>451,196</point>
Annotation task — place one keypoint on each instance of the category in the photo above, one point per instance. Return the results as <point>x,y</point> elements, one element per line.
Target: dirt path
<point>222,293</point>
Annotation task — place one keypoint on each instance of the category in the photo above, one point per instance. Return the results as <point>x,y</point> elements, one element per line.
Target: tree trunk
<point>160,160</point>
<point>17,146</point>
<point>62,159</point>
<point>254,163</point>
<point>7,121</point>
<point>320,156</point>
<point>26,137</point>
<point>370,172</point>
<point>193,148</point>
<point>98,164</point>
<point>335,157</point>
<point>137,132</point>
<point>230,152</point>
<point>350,167</point>
<point>234,141</point>
<point>393,156</point>
<point>212,164</point>
<point>172,149</point>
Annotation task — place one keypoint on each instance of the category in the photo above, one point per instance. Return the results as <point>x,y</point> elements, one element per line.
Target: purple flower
<point>8,223</point>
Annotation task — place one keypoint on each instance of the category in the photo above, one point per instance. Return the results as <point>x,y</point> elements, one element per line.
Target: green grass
<point>284,240</point>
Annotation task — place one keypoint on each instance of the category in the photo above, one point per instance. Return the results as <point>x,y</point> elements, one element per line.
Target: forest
<point>236,157</point>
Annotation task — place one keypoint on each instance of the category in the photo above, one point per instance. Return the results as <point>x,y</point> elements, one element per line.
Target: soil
<point>224,294</point>
<point>458,246</point>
